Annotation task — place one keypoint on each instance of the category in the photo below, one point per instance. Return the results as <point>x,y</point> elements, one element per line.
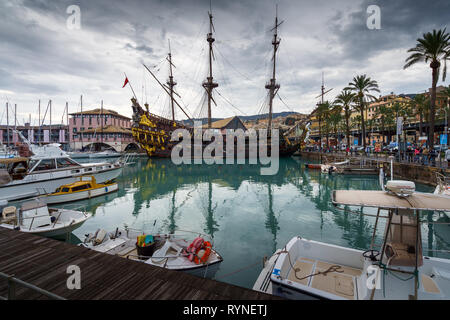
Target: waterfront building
<point>55,133</point>
<point>100,129</point>
<point>374,128</point>
<point>228,123</point>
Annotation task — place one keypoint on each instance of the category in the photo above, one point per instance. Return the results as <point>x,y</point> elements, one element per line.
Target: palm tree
<point>418,105</point>
<point>382,114</point>
<point>335,118</point>
<point>370,124</point>
<point>445,93</point>
<point>362,85</point>
<point>345,100</point>
<point>433,47</point>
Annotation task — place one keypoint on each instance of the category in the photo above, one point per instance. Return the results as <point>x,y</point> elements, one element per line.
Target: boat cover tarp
<point>385,200</point>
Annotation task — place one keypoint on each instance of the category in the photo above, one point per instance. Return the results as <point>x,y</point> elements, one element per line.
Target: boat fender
<point>203,253</point>
<point>194,247</point>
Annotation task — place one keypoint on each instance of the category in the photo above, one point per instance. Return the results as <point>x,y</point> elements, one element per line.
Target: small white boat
<point>396,270</point>
<point>168,250</point>
<point>35,217</point>
<point>104,154</point>
<point>85,188</point>
<point>79,155</point>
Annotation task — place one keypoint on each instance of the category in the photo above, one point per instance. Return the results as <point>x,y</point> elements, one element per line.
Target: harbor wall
<point>408,171</point>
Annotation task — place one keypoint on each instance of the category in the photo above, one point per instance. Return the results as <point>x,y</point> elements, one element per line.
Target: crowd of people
<point>416,154</point>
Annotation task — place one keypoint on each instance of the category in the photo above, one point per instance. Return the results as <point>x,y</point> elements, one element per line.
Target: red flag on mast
<point>126,81</point>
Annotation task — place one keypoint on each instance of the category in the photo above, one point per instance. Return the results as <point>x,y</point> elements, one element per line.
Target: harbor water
<point>248,215</point>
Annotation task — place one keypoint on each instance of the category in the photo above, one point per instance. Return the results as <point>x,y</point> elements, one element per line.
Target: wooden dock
<point>43,262</point>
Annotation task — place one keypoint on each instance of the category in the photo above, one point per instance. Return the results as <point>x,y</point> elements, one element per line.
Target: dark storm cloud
<point>39,55</point>
<point>402,22</point>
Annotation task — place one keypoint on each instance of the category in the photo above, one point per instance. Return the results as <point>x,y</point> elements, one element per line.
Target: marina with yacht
<point>344,216</point>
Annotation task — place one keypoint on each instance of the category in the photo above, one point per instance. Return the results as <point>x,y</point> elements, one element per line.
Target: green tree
<point>322,114</point>
<point>418,106</point>
<point>363,85</point>
<point>382,114</point>
<point>433,47</point>
<point>335,118</point>
<point>345,101</point>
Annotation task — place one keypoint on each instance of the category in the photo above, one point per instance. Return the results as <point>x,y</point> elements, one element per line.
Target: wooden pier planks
<point>43,262</point>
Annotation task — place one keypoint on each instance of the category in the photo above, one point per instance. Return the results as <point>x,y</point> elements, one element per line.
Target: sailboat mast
<point>272,86</point>
<point>171,84</point>
<point>101,119</point>
<point>82,121</point>
<point>323,87</point>
<point>7,122</point>
<point>39,133</point>
<point>209,84</point>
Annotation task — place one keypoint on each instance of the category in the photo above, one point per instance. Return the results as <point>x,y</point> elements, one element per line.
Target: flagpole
<point>134,94</point>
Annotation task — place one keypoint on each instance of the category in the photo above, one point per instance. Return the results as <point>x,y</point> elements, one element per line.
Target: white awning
<point>385,200</point>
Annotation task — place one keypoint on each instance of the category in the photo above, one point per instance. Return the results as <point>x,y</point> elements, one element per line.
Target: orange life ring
<point>207,247</point>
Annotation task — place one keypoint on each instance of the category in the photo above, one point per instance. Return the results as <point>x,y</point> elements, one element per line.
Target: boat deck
<point>43,262</point>
<point>343,284</point>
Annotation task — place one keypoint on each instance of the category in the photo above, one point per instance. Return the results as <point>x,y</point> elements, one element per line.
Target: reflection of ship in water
<point>271,219</point>
<point>318,188</point>
<point>161,179</point>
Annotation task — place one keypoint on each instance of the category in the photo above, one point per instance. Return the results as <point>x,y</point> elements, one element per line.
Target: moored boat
<point>85,188</point>
<point>37,218</point>
<point>307,269</point>
<point>47,169</point>
<point>181,252</point>
<point>315,166</point>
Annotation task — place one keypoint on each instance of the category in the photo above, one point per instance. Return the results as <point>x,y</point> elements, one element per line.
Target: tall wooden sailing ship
<point>153,133</point>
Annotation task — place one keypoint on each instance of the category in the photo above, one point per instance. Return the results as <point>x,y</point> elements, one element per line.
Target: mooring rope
<point>333,268</point>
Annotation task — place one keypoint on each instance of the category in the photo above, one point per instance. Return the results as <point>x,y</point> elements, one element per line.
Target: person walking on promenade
<point>416,154</point>
<point>425,156</point>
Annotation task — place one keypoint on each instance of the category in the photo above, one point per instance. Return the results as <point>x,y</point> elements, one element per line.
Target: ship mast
<point>272,86</point>
<point>209,84</point>
<point>171,83</point>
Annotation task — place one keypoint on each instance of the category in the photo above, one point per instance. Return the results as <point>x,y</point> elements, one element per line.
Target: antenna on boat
<point>272,86</point>
<point>209,84</point>
<point>7,121</point>
<point>82,122</point>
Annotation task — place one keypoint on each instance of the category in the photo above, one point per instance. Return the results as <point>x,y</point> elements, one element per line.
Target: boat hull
<point>81,195</point>
<point>43,183</point>
<point>52,232</point>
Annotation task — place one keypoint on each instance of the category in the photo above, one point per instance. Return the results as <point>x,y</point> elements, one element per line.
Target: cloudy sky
<point>41,58</point>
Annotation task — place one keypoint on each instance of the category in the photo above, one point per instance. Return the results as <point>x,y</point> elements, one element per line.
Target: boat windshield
<point>45,164</point>
<point>66,162</point>
<point>82,187</point>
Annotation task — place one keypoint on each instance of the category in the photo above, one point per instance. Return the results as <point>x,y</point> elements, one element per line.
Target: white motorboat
<point>35,217</point>
<point>79,155</point>
<point>49,168</point>
<point>85,188</point>
<point>168,251</point>
<point>104,154</point>
<point>307,269</point>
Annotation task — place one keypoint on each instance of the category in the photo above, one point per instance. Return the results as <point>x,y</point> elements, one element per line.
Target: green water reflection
<point>248,215</point>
